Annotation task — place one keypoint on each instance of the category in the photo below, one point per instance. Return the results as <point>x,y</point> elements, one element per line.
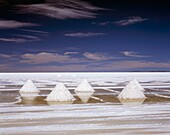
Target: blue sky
<point>77,35</point>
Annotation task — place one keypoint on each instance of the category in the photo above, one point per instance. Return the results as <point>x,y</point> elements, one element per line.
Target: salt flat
<point>97,113</point>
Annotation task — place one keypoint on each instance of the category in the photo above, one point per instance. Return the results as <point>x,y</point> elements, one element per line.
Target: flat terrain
<point>91,113</point>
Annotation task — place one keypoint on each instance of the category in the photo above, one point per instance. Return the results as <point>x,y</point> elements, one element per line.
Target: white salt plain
<point>98,113</point>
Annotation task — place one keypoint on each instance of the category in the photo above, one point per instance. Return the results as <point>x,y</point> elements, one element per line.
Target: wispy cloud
<point>4,67</point>
<point>5,56</point>
<point>72,48</point>
<point>97,56</point>
<point>67,57</point>
<point>16,40</point>
<point>62,9</point>
<point>92,62</point>
<point>81,35</point>
<point>11,24</point>
<point>126,65</point>
<point>70,53</point>
<point>139,64</point>
<point>21,39</point>
<point>130,20</point>
<point>37,32</point>
<point>44,68</point>
<point>28,37</point>
<point>124,22</point>
<point>105,23</point>
<point>98,66</point>
<point>46,57</point>
<point>43,57</point>
<point>133,54</point>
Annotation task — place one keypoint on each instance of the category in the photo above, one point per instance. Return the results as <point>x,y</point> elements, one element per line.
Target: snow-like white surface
<point>97,118</point>
<point>84,86</point>
<point>2,86</point>
<point>64,119</point>
<point>133,90</point>
<point>60,93</point>
<point>117,79</point>
<point>29,87</point>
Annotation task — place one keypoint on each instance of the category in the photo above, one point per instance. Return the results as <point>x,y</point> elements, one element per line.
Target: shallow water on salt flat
<point>91,113</point>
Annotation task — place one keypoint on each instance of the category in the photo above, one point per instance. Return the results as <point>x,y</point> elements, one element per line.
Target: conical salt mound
<point>138,85</point>
<point>29,87</point>
<point>84,86</point>
<point>60,93</point>
<point>133,90</point>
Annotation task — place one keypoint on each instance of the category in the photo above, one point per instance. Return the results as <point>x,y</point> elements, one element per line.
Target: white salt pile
<point>138,85</point>
<point>133,90</point>
<point>60,93</point>
<point>84,96</point>
<point>84,86</point>
<point>29,87</point>
<point>28,97</point>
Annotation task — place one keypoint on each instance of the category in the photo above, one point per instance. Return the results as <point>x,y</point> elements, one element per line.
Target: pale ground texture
<point>99,112</point>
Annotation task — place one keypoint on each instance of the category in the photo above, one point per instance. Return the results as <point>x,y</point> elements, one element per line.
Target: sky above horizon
<point>79,35</point>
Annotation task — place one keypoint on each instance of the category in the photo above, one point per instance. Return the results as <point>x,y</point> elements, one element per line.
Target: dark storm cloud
<point>62,9</point>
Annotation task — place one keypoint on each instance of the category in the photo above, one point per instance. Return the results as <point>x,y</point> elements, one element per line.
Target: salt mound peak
<point>29,87</point>
<point>84,86</point>
<point>133,90</point>
<point>60,93</point>
<point>135,82</point>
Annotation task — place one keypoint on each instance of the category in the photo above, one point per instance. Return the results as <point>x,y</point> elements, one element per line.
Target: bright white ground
<point>102,114</point>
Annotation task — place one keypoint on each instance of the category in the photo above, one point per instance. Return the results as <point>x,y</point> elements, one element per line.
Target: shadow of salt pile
<point>31,99</point>
<point>59,102</point>
<point>84,96</point>
<point>132,102</point>
<point>84,91</point>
